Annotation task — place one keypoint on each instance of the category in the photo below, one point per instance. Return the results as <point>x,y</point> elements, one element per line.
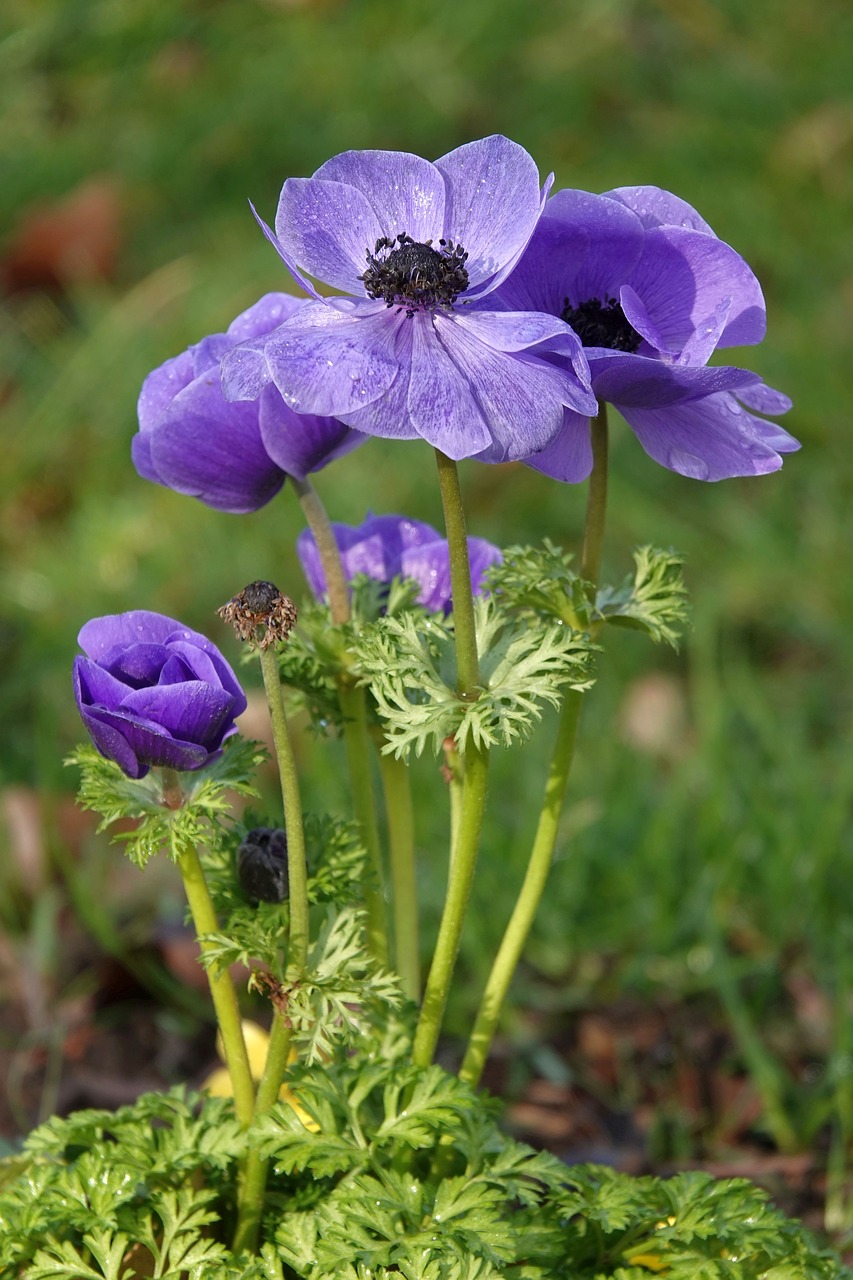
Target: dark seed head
<point>262,865</point>
<point>260,614</point>
<point>414,276</point>
<point>602,324</point>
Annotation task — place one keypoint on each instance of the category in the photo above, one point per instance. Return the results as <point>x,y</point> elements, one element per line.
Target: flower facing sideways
<point>387,547</point>
<point>416,348</point>
<point>153,692</point>
<point>234,457</point>
<point>651,292</point>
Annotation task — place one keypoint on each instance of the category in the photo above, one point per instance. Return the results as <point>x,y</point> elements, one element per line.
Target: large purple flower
<point>151,691</point>
<point>387,547</point>
<point>234,457</point>
<point>652,292</point>
<point>415,349</point>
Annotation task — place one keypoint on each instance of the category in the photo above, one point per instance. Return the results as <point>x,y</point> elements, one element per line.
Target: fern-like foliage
<point>653,599</point>
<point>205,812</point>
<point>405,1173</point>
<point>540,582</point>
<point>409,665</point>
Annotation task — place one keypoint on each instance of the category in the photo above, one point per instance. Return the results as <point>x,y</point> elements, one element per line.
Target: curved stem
<point>401,843</point>
<point>357,744</point>
<point>330,553</point>
<point>596,504</point>
<point>544,841</point>
<point>255,1178</point>
<point>456,903</point>
<point>297,951</point>
<point>521,921</point>
<point>221,987</point>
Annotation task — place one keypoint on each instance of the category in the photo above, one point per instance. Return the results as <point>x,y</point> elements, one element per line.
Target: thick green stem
<point>542,852</point>
<point>357,744</point>
<point>467,842</point>
<point>221,987</point>
<point>455,906</point>
<point>596,503</point>
<point>255,1177</point>
<point>401,844</point>
<point>521,921</point>
<point>330,553</point>
<point>297,952</point>
<point>467,663</point>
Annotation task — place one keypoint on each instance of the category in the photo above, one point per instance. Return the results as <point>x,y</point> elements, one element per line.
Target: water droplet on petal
<point>687,464</point>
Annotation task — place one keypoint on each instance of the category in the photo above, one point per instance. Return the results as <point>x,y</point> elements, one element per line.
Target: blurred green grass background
<point>726,834</point>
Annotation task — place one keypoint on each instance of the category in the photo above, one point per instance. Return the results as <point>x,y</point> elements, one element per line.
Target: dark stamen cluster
<point>413,276</point>
<point>602,324</point>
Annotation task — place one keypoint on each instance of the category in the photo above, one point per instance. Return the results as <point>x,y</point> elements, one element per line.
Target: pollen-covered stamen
<point>414,276</point>
<point>602,324</point>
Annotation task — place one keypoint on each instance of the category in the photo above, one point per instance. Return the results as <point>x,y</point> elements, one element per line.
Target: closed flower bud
<point>262,865</point>
<point>153,692</point>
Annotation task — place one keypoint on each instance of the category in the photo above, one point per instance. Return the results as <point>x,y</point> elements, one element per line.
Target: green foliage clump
<point>400,1172</point>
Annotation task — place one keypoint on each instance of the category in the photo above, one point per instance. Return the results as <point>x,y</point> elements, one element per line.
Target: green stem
<point>544,841</point>
<point>521,921</point>
<point>453,773</point>
<point>357,745</point>
<point>221,987</point>
<point>596,505</point>
<point>401,843</point>
<point>456,903</point>
<point>330,553</point>
<point>353,701</point>
<point>297,952</point>
<point>255,1177</point>
<point>464,853</point>
<point>467,664</point>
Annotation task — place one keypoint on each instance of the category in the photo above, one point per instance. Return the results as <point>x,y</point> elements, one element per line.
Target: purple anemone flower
<point>415,349</point>
<point>651,292</point>
<point>152,692</point>
<point>234,457</point>
<point>387,547</point>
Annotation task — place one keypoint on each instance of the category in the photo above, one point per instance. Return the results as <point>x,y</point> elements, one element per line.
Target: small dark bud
<point>262,865</point>
<point>260,614</point>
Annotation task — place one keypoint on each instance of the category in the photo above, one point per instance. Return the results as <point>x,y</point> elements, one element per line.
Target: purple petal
<point>331,362</point>
<point>213,450</point>
<point>160,388</point>
<point>582,248</point>
<point>328,228</point>
<point>520,397</point>
<point>388,415</point>
<point>658,208</point>
<point>293,267</point>
<point>568,457</point>
<point>493,205</point>
<point>263,316</point>
<point>244,371</point>
<point>101,635</point>
<point>193,711</point>
<point>441,403</point>
<point>640,381</point>
<point>683,276</point>
<point>709,439</point>
<point>300,443</point>
<point>764,399</point>
<point>405,192</point>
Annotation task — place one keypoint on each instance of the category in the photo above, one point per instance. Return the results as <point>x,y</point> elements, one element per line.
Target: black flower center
<point>413,276</point>
<point>601,324</point>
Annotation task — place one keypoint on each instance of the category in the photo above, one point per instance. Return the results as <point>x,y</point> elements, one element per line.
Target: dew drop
<point>687,464</point>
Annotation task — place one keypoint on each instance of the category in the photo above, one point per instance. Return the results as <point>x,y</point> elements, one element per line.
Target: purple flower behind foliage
<point>152,692</point>
<point>652,292</point>
<point>387,547</point>
<point>234,457</point>
<point>416,349</point>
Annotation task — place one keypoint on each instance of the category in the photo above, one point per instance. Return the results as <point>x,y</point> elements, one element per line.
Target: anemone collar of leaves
<point>410,668</point>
